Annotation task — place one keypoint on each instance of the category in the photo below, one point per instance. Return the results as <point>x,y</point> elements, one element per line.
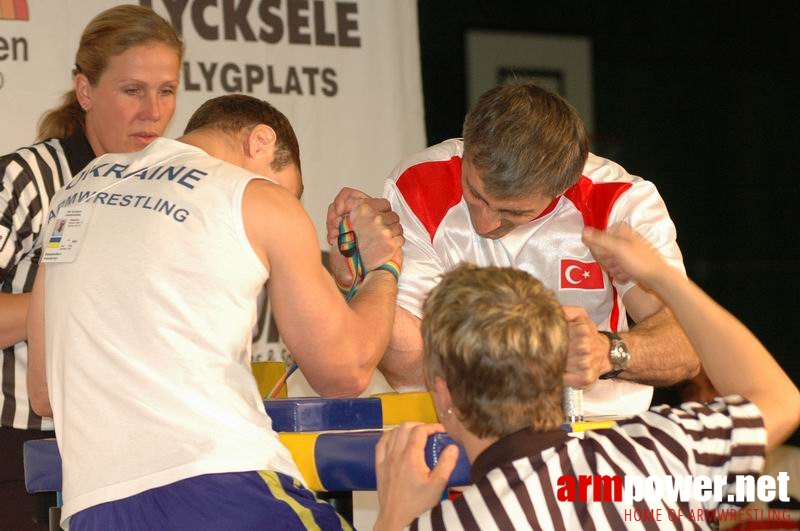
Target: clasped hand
<point>378,231</point>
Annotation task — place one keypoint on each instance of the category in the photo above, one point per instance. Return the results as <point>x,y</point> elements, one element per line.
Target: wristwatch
<point>618,353</point>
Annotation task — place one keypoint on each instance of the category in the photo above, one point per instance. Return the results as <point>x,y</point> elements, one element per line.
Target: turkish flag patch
<point>581,275</point>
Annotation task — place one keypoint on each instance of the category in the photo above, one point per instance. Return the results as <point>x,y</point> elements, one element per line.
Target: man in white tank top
<point>148,290</point>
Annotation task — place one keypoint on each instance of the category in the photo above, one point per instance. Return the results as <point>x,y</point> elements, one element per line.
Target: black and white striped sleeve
<point>29,178</point>
<point>727,438</point>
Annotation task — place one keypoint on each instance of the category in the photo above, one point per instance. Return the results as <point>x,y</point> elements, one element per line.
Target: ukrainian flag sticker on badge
<point>55,239</point>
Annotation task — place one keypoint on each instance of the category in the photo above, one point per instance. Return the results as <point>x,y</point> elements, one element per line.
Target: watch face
<point>620,356</point>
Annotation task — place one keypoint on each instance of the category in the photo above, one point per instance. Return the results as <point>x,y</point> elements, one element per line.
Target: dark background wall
<point>699,97</point>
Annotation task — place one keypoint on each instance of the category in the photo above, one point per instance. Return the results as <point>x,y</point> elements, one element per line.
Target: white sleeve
<point>643,209</point>
<point>421,265</point>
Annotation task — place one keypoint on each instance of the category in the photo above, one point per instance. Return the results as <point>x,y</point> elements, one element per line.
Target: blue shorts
<point>241,501</point>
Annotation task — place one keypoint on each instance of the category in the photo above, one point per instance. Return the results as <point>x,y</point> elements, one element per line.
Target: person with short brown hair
<point>495,339</point>
<point>486,324</point>
<point>237,112</point>
<point>516,191</point>
<point>524,140</point>
<point>141,348</point>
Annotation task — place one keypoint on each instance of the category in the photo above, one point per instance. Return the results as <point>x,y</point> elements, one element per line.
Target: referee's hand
<point>406,486</point>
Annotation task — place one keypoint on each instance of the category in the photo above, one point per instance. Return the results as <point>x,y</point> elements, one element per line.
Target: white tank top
<point>148,330</point>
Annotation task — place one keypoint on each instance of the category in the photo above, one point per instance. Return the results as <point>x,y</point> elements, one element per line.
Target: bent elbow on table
<point>346,383</point>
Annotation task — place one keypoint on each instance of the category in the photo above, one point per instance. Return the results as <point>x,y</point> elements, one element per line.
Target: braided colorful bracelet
<point>392,267</point>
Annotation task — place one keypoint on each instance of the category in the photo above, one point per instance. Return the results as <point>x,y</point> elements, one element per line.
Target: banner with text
<point>345,72</point>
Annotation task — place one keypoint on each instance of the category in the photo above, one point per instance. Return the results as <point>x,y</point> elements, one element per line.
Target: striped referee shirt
<point>30,177</point>
<point>515,480</point>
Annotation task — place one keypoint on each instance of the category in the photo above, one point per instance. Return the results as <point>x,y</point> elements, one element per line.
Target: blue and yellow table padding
<point>322,414</point>
<point>332,441</point>
<point>407,407</point>
<point>332,461</point>
<point>345,461</point>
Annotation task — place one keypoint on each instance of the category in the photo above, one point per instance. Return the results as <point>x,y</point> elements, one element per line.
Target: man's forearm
<point>374,304</point>
<point>36,375</point>
<point>402,362</point>
<point>361,342</point>
<point>661,354</point>
<point>13,314</point>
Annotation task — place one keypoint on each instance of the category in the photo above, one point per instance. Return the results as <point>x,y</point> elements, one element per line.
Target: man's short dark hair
<point>235,112</point>
<point>525,140</point>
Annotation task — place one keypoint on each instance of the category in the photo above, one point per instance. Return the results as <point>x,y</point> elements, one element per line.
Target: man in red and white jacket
<point>517,191</point>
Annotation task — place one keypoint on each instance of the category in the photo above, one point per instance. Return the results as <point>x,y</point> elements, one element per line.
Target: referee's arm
<point>37,379</point>
<point>16,174</point>
<point>13,312</point>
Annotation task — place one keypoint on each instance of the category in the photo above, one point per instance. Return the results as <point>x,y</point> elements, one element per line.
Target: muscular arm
<point>36,377</point>
<point>13,313</point>
<point>336,345</point>
<point>402,362</point>
<point>661,354</point>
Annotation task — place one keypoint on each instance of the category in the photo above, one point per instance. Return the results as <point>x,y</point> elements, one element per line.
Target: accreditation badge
<point>62,243</point>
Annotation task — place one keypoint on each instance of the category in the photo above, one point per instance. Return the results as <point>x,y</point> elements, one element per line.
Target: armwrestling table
<point>331,440</point>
